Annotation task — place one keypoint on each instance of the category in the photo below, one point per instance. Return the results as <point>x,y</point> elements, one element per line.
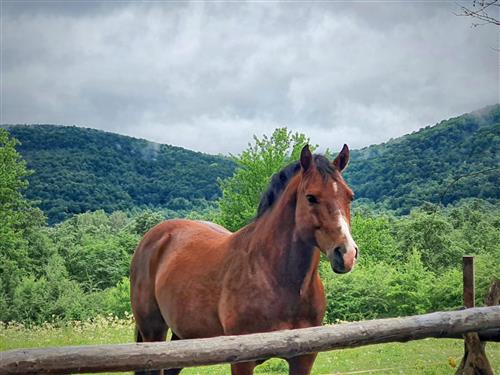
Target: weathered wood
<point>475,360</point>
<point>468,277</point>
<point>484,335</point>
<point>493,296</point>
<point>186,353</point>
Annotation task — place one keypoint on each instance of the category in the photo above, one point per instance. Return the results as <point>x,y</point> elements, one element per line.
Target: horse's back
<point>174,235</point>
<point>178,266</point>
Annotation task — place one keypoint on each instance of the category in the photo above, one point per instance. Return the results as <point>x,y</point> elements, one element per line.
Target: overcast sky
<point>207,76</point>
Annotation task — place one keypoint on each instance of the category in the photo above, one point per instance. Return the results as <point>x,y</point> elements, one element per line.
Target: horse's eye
<point>311,199</point>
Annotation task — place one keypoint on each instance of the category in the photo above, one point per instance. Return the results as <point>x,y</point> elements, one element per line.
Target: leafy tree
<point>373,235</point>
<point>446,292</point>
<point>23,247</point>
<point>116,300</point>
<point>96,248</point>
<point>255,166</point>
<point>430,234</point>
<point>51,297</point>
<point>355,296</point>
<point>145,221</point>
<point>409,290</point>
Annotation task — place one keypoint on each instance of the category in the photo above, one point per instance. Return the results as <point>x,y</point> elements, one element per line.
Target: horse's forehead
<point>332,182</point>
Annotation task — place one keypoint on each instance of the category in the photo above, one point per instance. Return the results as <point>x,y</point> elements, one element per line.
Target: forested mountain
<point>457,158</point>
<point>78,169</point>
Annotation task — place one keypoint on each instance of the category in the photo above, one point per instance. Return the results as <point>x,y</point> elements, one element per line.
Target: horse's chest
<point>269,309</point>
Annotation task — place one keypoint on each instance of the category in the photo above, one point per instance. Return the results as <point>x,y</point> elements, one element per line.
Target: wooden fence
<point>230,349</point>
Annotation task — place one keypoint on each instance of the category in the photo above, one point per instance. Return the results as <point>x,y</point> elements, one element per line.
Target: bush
<point>374,239</point>
<point>355,296</point>
<point>409,289</point>
<point>116,300</point>
<point>446,293</point>
<point>49,298</point>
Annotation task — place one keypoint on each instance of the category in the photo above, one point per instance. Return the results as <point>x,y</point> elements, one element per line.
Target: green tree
<point>255,166</point>
<point>373,235</point>
<point>431,234</point>
<point>97,247</point>
<point>355,296</point>
<point>145,221</point>
<point>21,223</point>
<point>410,290</point>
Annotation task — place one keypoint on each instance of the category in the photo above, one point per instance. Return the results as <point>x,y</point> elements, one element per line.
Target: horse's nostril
<point>356,255</point>
<point>337,252</point>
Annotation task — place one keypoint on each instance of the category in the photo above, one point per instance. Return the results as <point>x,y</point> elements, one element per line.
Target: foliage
<point>450,161</point>
<point>50,297</point>
<point>116,301</point>
<point>355,296</point>
<point>255,166</point>
<point>78,269</point>
<point>429,233</point>
<point>373,234</point>
<point>407,282</point>
<point>79,170</point>
<point>145,221</point>
<point>409,289</point>
<point>23,249</point>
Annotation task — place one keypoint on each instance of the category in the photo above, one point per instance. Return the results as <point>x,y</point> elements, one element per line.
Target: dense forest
<point>456,159</point>
<point>79,170</point>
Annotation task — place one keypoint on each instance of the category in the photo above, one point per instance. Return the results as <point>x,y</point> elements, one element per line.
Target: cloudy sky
<point>207,76</point>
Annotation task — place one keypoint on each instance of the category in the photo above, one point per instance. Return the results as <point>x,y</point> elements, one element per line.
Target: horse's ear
<point>342,159</point>
<point>305,158</point>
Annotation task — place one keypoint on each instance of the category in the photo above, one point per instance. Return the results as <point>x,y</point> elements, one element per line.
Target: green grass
<point>430,356</point>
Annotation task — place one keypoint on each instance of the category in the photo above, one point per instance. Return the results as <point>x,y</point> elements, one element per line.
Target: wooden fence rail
<point>230,349</point>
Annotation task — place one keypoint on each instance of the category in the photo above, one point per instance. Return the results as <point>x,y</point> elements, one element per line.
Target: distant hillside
<point>78,169</point>
<point>424,166</point>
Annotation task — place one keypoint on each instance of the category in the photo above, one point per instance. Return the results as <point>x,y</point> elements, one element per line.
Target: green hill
<point>78,169</point>
<point>455,159</point>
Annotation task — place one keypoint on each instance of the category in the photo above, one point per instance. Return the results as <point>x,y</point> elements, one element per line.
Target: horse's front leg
<point>243,368</point>
<point>302,364</point>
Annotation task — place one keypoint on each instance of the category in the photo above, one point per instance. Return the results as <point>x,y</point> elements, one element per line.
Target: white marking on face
<point>335,187</point>
<point>346,231</point>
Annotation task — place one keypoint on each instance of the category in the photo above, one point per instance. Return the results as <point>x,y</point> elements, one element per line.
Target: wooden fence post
<point>474,361</point>
<point>469,285</point>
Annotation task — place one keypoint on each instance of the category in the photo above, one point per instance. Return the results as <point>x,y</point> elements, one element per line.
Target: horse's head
<point>322,213</point>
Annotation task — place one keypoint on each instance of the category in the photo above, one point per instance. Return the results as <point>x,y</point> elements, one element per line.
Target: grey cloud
<point>209,75</point>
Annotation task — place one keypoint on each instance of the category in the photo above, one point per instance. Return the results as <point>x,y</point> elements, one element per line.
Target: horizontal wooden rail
<point>186,353</point>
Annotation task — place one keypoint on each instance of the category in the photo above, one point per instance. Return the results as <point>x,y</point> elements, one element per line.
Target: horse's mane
<point>280,180</point>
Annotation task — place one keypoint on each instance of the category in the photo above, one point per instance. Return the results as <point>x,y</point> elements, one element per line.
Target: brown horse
<point>200,280</point>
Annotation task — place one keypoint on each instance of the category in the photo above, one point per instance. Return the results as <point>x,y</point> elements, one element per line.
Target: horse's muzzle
<point>342,259</point>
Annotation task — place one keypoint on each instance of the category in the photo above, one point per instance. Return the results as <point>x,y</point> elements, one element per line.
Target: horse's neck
<point>274,240</point>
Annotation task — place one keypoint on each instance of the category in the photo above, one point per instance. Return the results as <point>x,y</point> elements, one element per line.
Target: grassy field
<point>430,356</point>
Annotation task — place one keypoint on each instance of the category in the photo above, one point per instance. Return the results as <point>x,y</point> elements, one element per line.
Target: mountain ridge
<point>79,169</point>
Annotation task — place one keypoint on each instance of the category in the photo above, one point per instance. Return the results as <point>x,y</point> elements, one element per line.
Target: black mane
<point>280,180</point>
